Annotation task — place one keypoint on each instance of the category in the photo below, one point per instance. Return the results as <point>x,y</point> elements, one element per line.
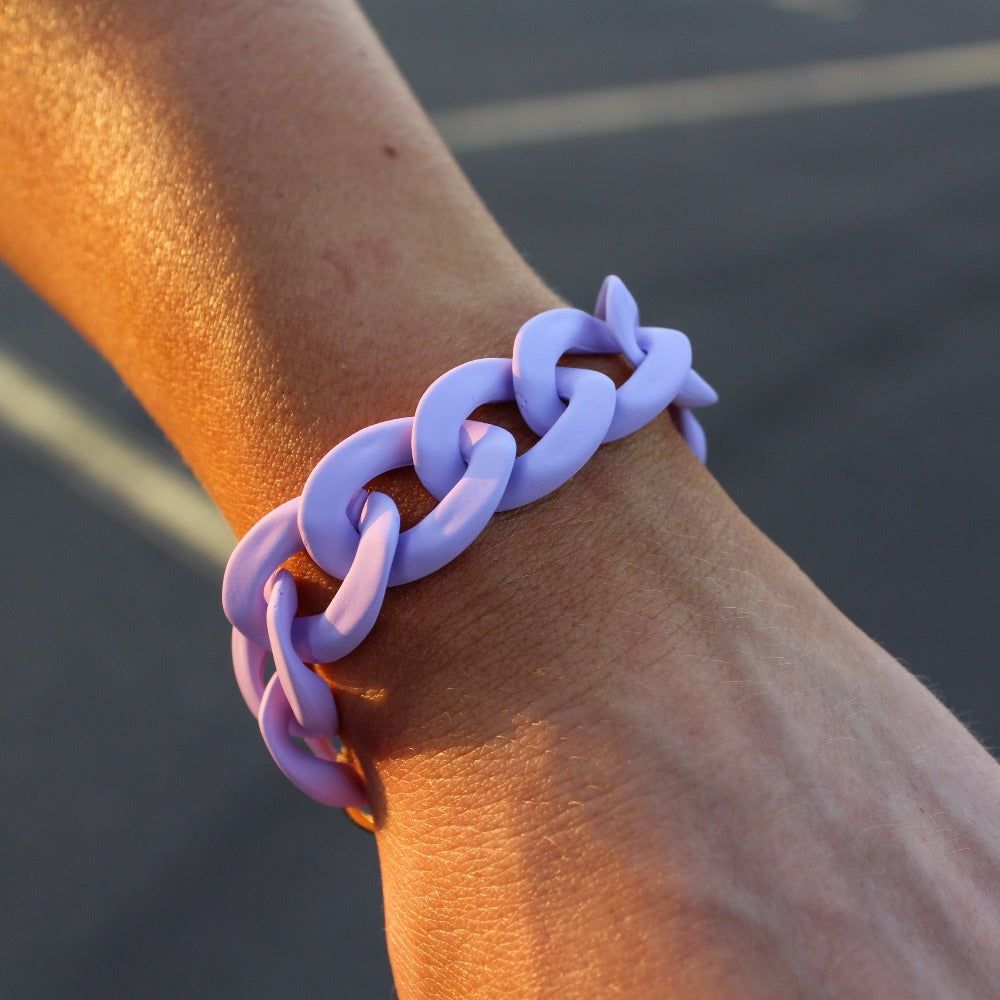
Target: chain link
<point>559,454</point>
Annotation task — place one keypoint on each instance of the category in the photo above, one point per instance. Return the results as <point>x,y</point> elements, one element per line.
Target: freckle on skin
<point>390,151</point>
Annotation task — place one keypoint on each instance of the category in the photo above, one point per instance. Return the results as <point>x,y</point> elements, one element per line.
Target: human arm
<point>673,619</point>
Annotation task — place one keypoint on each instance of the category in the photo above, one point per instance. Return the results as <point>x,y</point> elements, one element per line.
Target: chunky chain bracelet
<point>473,470</point>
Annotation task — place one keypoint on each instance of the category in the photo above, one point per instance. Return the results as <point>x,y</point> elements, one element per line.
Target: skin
<point>668,768</point>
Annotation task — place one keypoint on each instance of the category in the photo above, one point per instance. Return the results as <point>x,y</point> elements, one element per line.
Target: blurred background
<point>808,188</point>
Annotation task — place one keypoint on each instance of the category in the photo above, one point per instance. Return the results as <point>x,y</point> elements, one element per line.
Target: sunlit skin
<point>622,746</point>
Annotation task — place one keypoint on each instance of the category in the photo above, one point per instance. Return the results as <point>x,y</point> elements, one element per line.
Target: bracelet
<point>472,469</point>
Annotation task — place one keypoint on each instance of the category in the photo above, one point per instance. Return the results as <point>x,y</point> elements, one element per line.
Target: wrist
<point>470,492</point>
<point>726,755</point>
<point>556,601</point>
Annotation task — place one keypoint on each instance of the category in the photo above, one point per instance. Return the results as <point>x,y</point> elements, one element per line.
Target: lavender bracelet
<point>472,469</point>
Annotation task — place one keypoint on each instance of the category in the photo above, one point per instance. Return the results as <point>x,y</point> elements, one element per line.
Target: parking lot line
<point>149,492</point>
<point>611,110</point>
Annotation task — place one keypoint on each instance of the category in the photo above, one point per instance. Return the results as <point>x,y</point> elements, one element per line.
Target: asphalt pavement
<point>837,267</point>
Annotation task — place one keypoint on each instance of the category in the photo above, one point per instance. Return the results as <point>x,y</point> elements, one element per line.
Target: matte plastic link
<point>309,696</point>
<point>616,307</point>
<point>563,449</point>
<point>270,542</point>
<point>652,386</point>
<point>330,783</point>
<point>448,530</point>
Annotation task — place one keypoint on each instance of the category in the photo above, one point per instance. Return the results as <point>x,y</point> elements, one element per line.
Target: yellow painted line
<point>612,110</point>
<point>151,494</point>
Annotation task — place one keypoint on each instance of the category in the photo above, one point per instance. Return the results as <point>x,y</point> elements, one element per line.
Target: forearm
<point>603,744</point>
<point>242,206</point>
